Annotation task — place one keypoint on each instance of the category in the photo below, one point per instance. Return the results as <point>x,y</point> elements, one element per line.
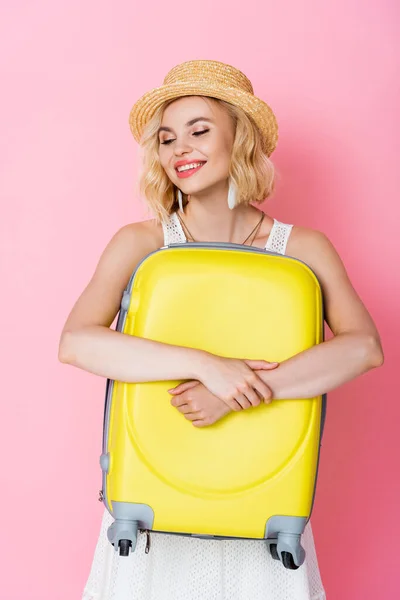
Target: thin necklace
<point>255,230</point>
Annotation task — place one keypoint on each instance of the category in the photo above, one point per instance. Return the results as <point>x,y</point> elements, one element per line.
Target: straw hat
<point>207,78</point>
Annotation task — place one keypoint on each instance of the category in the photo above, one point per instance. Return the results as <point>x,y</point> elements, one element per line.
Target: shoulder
<point>344,310</point>
<point>305,239</point>
<point>126,248</point>
<point>314,248</point>
<point>142,235</point>
<point>129,245</point>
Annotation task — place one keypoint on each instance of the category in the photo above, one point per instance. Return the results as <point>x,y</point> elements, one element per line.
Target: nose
<point>181,146</point>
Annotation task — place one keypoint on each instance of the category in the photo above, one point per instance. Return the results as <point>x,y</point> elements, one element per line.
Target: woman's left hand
<point>198,404</point>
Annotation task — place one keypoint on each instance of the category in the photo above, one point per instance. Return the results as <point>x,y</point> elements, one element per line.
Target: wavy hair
<point>251,170</point>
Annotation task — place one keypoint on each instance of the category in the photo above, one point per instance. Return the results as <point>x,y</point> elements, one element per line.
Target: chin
<point>191,189</point>
<point>196,187</point>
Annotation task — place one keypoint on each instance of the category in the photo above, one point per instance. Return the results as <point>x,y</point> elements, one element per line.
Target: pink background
<point>69,74</point>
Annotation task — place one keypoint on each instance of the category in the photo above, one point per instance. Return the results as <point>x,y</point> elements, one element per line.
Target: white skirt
<point>186,568</point>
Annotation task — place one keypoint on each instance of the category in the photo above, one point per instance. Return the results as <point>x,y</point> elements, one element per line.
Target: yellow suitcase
<point>252,474</point>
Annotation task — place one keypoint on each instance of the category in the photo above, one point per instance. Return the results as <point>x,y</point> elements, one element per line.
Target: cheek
<point>221,150</point>
<point>221,158</point>
<point>164,157</point>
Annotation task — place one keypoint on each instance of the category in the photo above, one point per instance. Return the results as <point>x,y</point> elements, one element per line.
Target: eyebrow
<point>188,124</point>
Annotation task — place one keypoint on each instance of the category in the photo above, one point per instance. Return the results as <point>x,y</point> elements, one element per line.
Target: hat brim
<point>263,116</point>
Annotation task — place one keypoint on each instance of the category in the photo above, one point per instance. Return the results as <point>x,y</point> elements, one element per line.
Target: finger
<point>242,400</point>
<point>261,364</point>
<point>182,387</point>
<point>264,391</point>
<point>184,409</point>
<point>178,400</point>
<point>259,395</point>
<point>201,423</point>
<point>233,404</point>
<point>194,416</point>
<point>252,396</point>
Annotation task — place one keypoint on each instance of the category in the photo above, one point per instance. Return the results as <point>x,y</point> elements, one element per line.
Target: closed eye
<point>201,132</point>
<point>195,133</point>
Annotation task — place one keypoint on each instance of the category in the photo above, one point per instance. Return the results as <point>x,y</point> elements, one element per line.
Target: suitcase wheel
<point>273,548</point>
<point>124,547</point>
<point>288,561</point>
<point>123,536</point>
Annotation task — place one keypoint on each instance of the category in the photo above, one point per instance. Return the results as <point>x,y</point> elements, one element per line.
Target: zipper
<point>147,532</point>
<point>121,324</point>
<point>147,549</point>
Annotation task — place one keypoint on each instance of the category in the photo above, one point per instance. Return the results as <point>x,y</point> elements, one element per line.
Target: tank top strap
<point>173,232</point>
<point>278,237</point>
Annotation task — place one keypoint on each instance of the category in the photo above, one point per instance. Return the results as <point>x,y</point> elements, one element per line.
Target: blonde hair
<point>250,169</point>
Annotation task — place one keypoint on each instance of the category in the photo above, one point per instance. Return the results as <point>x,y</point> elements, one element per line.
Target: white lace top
<point>277,239</point>
<point>184,568</point>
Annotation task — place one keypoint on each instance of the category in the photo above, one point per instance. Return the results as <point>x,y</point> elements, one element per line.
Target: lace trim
<point>95,596</point>
<point>173,232</point>
<point>277,240</point>
<point>278,237</point>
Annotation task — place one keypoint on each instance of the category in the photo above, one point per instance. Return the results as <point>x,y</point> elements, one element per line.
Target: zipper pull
<point>147,549</point>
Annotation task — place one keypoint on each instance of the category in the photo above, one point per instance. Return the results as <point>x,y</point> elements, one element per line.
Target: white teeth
<point>187,167</point>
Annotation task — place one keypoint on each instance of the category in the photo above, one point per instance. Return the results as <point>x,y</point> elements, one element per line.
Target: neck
<point>209,217</point>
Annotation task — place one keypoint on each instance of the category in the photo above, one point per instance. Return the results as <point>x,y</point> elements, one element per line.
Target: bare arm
<point>356,347</point>
<point>122,357</point>
<point>324,367</point>
<point>87,342</point>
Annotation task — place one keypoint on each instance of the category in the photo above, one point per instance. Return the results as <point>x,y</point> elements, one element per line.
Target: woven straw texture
<point>207,78</point>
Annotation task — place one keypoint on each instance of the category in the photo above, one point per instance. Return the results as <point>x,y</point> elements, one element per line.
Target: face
<point>196,130</point>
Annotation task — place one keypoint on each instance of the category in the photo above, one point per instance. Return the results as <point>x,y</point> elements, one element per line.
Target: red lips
<point>180,163</point>
<point>189,172</point>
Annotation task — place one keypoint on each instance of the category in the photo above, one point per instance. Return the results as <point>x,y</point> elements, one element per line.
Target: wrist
<point>200,364</point>
<point>271,380</point>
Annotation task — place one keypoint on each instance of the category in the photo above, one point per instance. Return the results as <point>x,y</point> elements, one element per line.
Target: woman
<point>206,141</point>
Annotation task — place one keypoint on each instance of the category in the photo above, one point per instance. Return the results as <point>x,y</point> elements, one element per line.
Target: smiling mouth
<point>189,169</point>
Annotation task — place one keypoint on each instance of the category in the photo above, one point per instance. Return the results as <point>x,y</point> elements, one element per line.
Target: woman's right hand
<point>234,381</point>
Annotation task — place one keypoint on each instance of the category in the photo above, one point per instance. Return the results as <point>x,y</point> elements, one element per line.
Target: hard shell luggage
<point>252,474</point>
